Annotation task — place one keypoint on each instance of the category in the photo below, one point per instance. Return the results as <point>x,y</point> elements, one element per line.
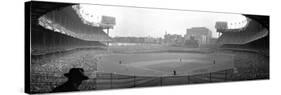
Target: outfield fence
<point>111,80</point>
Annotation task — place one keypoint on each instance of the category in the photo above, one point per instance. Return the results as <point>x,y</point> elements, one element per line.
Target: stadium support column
<point>107,30</point>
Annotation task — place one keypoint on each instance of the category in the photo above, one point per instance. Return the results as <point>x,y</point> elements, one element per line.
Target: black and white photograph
<point>89,47</point>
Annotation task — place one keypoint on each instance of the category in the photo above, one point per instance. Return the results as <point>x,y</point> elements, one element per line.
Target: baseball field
<point>164,63</point>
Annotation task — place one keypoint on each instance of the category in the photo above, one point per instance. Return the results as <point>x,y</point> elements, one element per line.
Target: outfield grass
<point>162,64</point>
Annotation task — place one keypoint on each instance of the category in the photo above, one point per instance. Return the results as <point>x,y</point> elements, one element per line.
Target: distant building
<point>173,39</point>
<point>202,34</point>
<point>191,43</point>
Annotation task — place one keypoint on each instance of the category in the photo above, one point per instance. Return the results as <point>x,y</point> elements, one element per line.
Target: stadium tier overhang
<point>65,19</point>
<point>256,28</point>
<point>39,8</point>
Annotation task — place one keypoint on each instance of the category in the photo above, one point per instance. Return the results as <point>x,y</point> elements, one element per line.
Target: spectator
<point>75,77</point>
<point>175,72</point>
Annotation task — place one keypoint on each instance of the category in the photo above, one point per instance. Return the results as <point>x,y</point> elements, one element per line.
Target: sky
<point>145,22</point>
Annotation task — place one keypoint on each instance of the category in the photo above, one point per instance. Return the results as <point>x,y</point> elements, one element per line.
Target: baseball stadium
<point>61,38</point>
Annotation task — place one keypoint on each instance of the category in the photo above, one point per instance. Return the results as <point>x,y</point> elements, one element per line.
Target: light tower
<point>107,23</point>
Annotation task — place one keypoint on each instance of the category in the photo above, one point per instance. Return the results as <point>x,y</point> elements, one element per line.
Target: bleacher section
<point>251,47</point>
<point>254,37</point>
